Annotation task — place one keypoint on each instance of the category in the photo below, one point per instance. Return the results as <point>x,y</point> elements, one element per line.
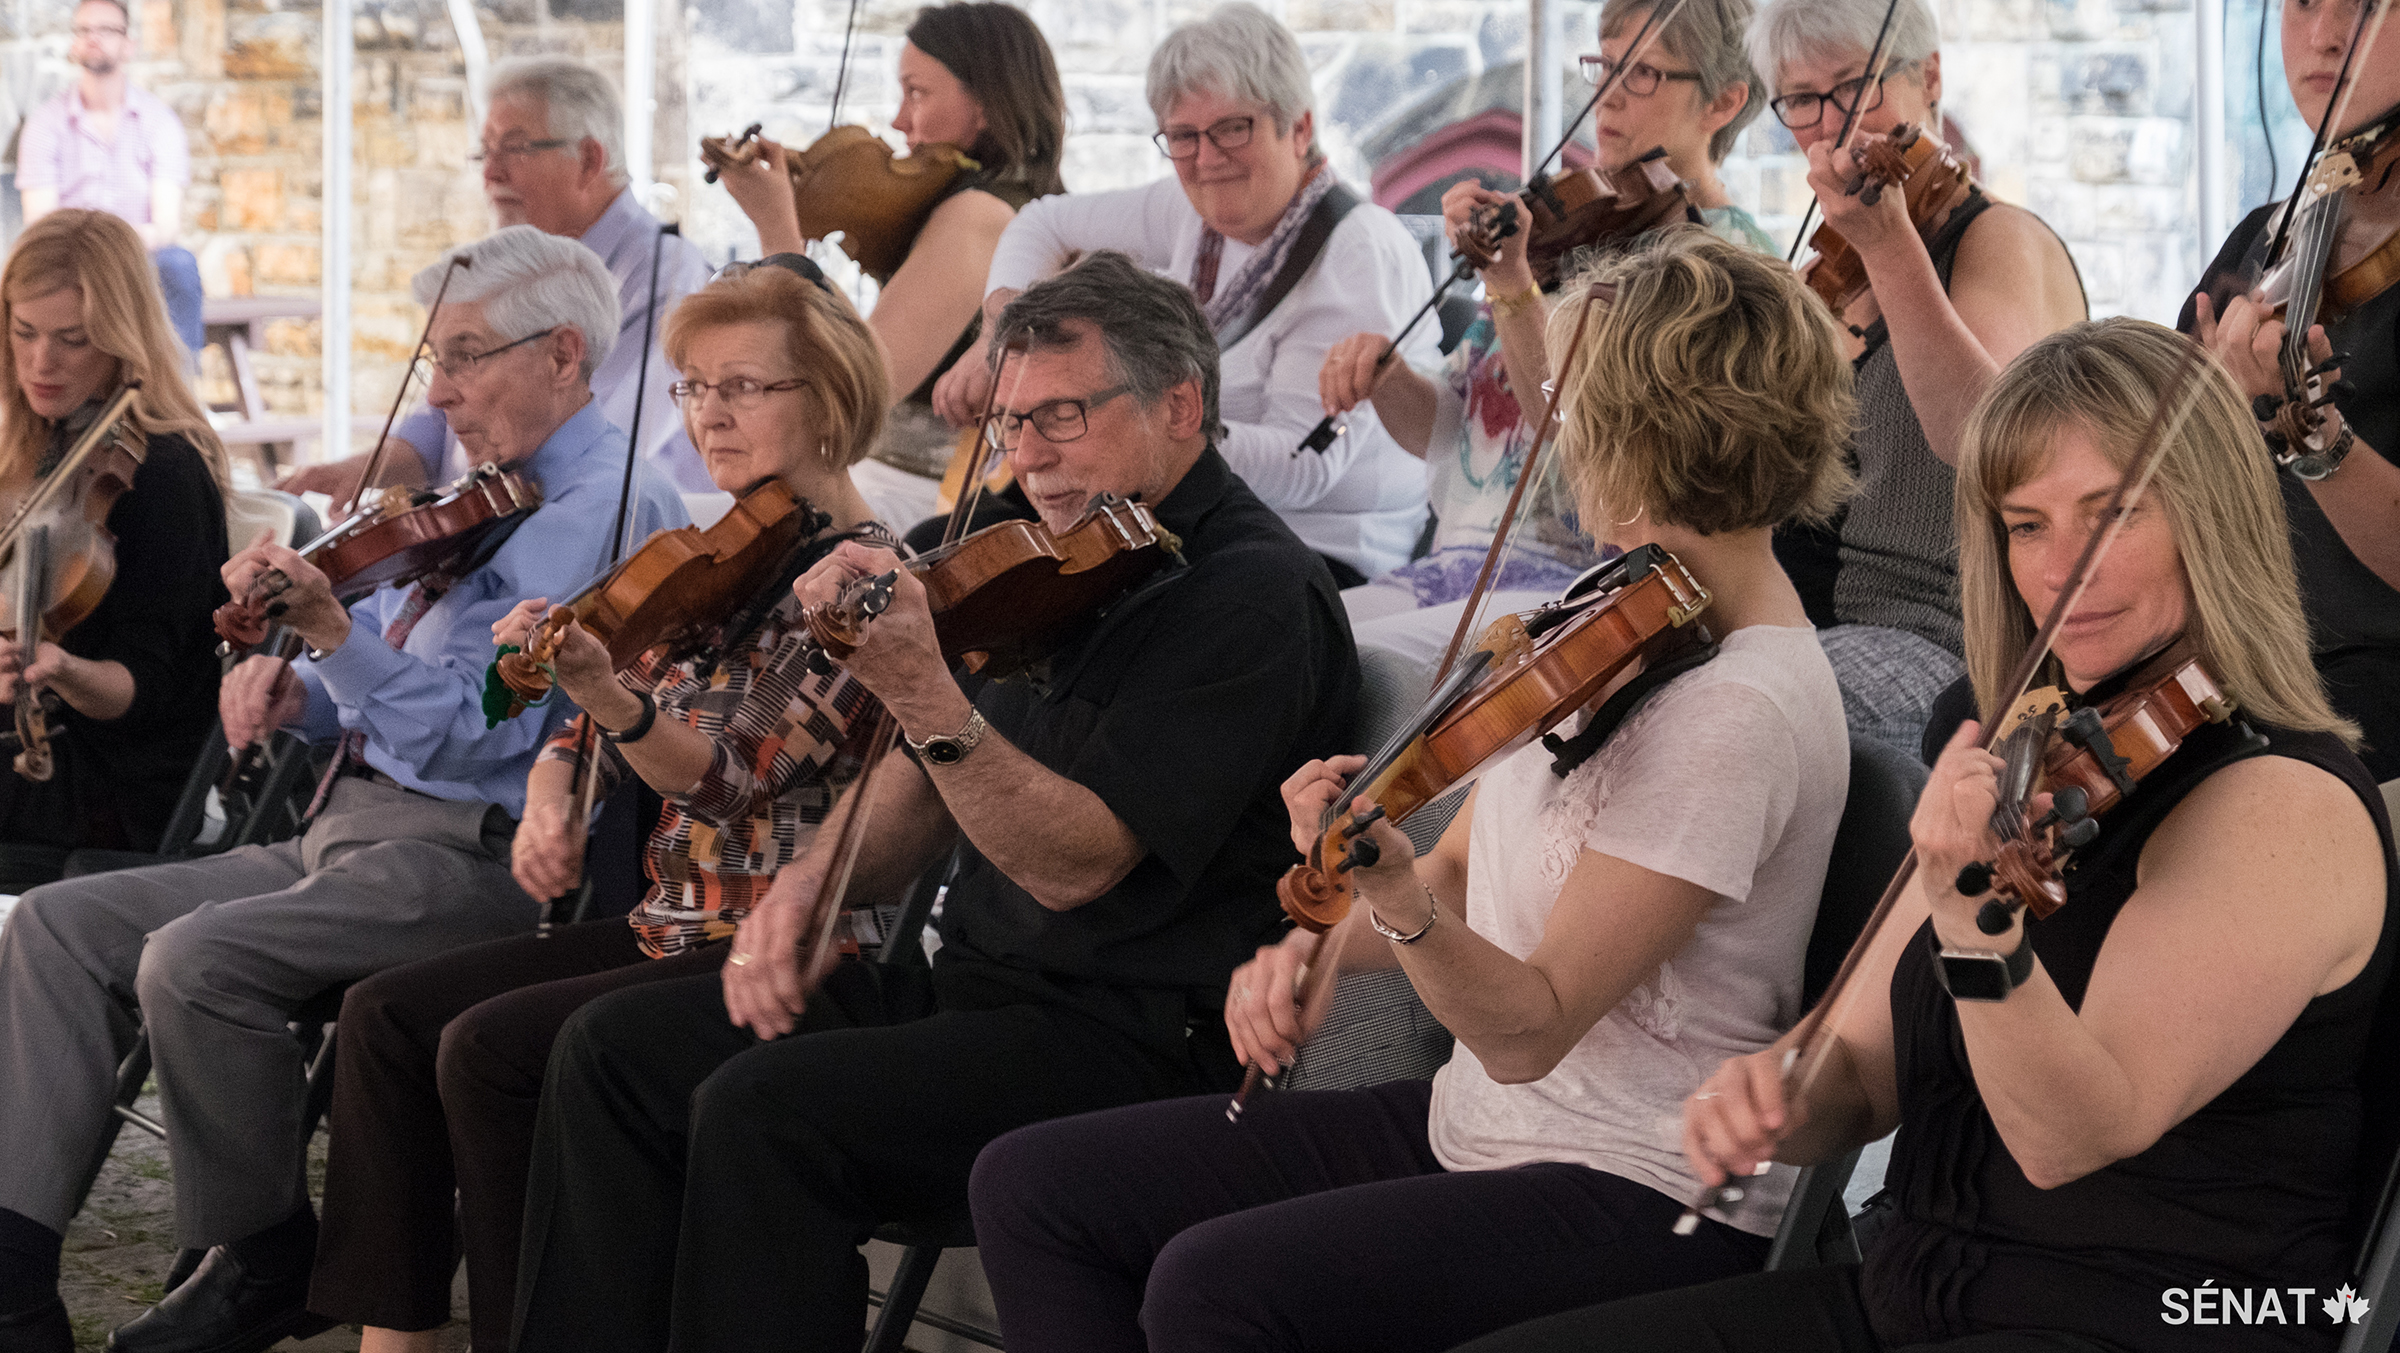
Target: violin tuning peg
<point>2333,363</point>
<point>2265,407</point>
<point>1974,880</point>
<point>2082,833</point>
<point>2277,442</point>
<point>1362,822</point>
<point>1994,918</point>
<point>1363,854</point>
<point>2071,804</point>
<point>2337,390</point>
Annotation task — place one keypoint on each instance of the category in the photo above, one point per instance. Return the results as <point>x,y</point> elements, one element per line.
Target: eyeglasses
<point>1807,110</point>
<point>739,393</point>
<point>1060,420</point>
<point>1183,143</point>
<point>515,149</point>
<point>1641,78</point>
<point>95,32</point>
<point>464,364</point>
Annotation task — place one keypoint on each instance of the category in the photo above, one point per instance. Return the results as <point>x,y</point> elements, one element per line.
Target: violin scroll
<point>722,153</point>
<point>839,626</point>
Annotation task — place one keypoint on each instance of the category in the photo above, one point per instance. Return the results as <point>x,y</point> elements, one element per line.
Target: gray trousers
<point>217,953</point>
<point>1889,679</point>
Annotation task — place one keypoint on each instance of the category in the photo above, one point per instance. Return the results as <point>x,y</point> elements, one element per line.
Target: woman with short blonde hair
<point>136,681</point>
<point>2165,1083</point>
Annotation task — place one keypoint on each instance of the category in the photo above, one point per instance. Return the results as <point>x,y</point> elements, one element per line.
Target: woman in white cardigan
<point>1233,101</point>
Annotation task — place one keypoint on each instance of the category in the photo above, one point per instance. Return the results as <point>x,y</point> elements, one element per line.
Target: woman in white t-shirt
<point>1595,941</point>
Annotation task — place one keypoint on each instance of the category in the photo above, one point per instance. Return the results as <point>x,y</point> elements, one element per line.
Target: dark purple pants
<point>437,1078</point>
<point>1321,1222</point>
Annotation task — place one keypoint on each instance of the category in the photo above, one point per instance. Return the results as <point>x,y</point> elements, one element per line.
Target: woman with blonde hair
<point>441,1061</point>
<point>136,682</point>
<point>1594,932</point>
<point>2184,1042</point>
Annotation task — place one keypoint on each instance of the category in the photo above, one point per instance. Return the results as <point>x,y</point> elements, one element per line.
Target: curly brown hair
<point>1710,389</point>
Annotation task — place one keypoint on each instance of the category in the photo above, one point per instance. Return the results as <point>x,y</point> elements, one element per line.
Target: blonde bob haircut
<point>2104,378</point>
<point>100,255</point>
<point>825,343</point>
<point>1710,390</point>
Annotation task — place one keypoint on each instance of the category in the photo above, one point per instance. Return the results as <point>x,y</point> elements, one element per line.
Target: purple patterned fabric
<point>59,150</point>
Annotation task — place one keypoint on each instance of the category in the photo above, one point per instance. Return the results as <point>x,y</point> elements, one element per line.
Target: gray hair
<point>530,280</point>
<point>1789,30</point>
<point>1708,34</point>
<point>1152,328</point>
<point>1238,51</point>
<point>579,104</point>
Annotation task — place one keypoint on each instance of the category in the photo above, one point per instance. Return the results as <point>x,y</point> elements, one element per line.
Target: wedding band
<point>1706,1094</point>
<point>738,960</point>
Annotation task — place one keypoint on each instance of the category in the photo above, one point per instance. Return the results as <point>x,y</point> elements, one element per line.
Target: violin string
<point>1870,73</point>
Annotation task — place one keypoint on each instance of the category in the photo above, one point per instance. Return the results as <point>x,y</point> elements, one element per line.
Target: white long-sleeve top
<point>1362,500</point>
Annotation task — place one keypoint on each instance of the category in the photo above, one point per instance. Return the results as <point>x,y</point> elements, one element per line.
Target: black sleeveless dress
<point>2253,1191</point>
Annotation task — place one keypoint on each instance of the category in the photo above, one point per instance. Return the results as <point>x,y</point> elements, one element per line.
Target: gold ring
<point>738,960</point>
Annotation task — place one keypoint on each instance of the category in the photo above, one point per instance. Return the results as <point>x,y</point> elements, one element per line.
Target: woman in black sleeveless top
<point>976,75</point>
<point>2346,525</point>
<point>2173,1096</point>
<point>1939,315</point>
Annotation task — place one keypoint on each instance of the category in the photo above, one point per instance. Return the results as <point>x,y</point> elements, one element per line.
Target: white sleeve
<point>1698,785</point>
<point>1143,223</point>
<point>1369,279</point>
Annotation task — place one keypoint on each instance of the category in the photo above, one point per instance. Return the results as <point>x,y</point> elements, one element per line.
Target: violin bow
<point>577,900</point>
<point>2363,32</point>
<point>1654,23</point>
<point>1872,74</point>
<point>408,373</point>
<point>1816,1030</point>
<point>1316,980</point>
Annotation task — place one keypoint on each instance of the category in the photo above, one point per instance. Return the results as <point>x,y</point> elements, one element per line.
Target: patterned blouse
<point>783,748</point>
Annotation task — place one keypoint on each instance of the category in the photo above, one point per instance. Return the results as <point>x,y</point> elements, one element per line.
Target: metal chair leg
<point>901,1301</point>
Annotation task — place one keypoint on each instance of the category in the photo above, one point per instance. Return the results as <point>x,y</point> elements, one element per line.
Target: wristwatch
<point>2312,466</point>
<point>1980,974</point>
<point>950,749</point>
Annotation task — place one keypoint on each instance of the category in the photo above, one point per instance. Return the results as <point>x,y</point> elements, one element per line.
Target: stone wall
<point>2080,110</point>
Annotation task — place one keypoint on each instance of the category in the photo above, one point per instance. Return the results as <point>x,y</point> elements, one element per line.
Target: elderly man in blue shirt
<point>553,156</point>
<point>408,854</point>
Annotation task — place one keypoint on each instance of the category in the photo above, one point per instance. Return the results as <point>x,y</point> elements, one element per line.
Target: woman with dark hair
<point>441,1060</point>
<point>136,681</point>
<point>978,76</point>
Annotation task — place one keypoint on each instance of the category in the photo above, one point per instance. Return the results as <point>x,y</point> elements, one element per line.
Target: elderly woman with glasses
<point>1939,315</point>
<point>441,1061</point>
<point>1285,261</point>
<point>1688,90</point>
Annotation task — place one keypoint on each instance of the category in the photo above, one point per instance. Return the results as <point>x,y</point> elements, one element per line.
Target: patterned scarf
<point>1232,304</point>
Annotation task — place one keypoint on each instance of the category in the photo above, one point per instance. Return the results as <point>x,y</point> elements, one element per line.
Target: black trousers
<point>694,1188</point>
<point>1811,1310</point>
<point>437,1073</point>
<point>1321,1222</point>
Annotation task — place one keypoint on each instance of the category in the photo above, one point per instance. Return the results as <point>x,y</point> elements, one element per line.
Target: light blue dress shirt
<point>623,238</point>
<point>421,706</point>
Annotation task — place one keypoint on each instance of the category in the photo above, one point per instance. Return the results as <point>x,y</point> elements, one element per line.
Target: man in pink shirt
<point>105,145</point>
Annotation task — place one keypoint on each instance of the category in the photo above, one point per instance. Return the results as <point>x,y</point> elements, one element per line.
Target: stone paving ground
<point>122,1244</point>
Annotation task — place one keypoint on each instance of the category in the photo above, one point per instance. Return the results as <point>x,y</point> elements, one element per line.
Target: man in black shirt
<point>1122,833</point>
<point>2345,523</point>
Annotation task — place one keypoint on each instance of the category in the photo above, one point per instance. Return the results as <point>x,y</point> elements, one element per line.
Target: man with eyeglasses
<point>108,145</point>
<point>1120,828</point>
<point>1286,262</point>
<point>552,156</point>
<point>405,853</point>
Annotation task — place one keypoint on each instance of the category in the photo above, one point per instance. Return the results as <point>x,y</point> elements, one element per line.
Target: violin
<point>1582,209</point>
<point>849,181</point>
<point>400,536</point>
<point>2088,758</point>
<point>1933,181</point>
<point>2304,291</point>
<point>57,557</point>
<point>674,592</point>
<point>1529,673</point>
<point>1004,597</point>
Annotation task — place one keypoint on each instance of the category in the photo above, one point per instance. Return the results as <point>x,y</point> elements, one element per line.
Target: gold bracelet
<point>1505,305</point>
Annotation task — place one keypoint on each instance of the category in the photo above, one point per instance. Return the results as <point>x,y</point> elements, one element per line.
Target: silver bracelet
<point>1433,913</point>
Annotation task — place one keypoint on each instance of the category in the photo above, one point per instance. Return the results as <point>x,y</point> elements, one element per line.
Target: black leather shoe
<point>44,1329</point>
<point>222,1309</point>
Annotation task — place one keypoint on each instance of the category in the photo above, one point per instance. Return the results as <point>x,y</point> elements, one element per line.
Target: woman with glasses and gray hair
<point>1690,92</point>
<point>441,1061</point>
<point>1285,261</point>
<point>1939,315</point>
